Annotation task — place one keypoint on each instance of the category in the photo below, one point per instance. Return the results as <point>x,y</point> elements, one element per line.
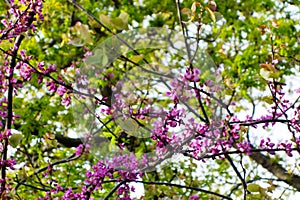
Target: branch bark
<point>9,109</point>
<point>276,169</point>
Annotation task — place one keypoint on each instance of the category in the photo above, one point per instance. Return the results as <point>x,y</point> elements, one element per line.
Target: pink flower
<point>244,147</point>
<point>192,76</point>
<point>66,101</point>
<point>194,197</point>
<point>52,86</point>
<point>79,150</point>
<point>61,90</point>
<point>26,71</point>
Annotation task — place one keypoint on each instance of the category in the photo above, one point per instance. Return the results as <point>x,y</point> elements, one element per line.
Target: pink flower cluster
<point>192,75</point>
<point>267,144</point>
<point>8,163</point>
<point>19,21</point>
<point>60,89</point>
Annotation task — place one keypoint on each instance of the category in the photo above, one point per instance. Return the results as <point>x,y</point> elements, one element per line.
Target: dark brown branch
<point>277,170</point>
<point>114,189</point>
<point>185,153</point>
<point>75,142</point>
<point>117,3</point>
<point>36,188</point>
<point>245,123</point>
<point>183,31</point>
<point>67,141</point>
<point>9,108</point>
<point>174,185</point>
<point>186,187</point>
<point>238,174</point>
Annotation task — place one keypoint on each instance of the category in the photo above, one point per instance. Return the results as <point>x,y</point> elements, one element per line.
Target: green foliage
<point>238,48</point>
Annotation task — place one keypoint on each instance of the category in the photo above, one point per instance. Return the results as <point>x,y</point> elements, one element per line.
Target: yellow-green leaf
<point>119,23</point>
<point>136,58</point>
<point>99,58</point>
<point>106,20</point>
<point>130,126</point>
<point>253,187</point>
<point>211,13</point>
<point>15,139</point>
<point>124,17</point>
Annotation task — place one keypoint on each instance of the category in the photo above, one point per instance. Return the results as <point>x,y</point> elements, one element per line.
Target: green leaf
<point>137,58</point>
<point>129,125</point>
<point>246,95</point>
<point>253,187</point>
<point>99,58</point>
<point>15,139</point>
<point>106,20</point>
<point>119,23</point>
<point>268,99</point>
<point>211,13</point>
<point>124,17</point>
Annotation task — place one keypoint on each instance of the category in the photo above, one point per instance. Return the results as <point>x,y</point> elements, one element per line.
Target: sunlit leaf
<point>119,23</point>
<point>99,57</point>
<point>252,187</point>
<point>211,13</point>
<point>136,58</point>
<point>106,20</point>
<point>194,7</point>
<point>15,139</point>
<point>130,126</point>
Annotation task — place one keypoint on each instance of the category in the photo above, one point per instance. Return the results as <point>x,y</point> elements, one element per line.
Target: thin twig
<point>238,174</point>
<point>114,189</point>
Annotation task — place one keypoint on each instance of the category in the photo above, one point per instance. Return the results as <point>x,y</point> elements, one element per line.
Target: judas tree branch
<point>186,187</point>
<point>10,91</point>
<point>67,141</point>
<point>114,189</point>
<point>265,161</point>
<point>173,185</point>
<point>255,122</point>
<point>277,170</point>
<point>9,107</point>
<point>238,174</point>
<point>187,152</point>
<point>75,142</point>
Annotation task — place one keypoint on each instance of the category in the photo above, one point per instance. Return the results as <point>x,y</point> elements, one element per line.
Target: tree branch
<point>238,174</point>
<point>114,189</point>
<point>9,108</point>
<point>186,187</point>
<point>277,170</point>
